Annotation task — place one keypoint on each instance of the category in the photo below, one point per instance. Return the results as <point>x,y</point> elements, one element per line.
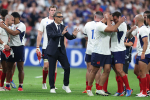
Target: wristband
<point>143,52</point>
<point>37,48</point>
<point>4,44</point>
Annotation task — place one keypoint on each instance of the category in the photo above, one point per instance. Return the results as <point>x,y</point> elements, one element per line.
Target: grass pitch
<point>33,87</point>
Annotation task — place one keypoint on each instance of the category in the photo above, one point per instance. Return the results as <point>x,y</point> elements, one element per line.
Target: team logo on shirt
<point>116,60</point>
<point>98,62</point>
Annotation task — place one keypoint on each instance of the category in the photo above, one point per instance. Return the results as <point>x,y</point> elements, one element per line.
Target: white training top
<point>42,28</point>
<point>117,38</point>
<point>102,40</point>
<point>18,40</point>
<point>3,37</point>
<point>89,30</point>
<point>141,33</point>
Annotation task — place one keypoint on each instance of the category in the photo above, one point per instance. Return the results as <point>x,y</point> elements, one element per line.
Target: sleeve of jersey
<point>41,26</point>
<point>101,27</point>
<point>22,28</point>
<point>144,33</point>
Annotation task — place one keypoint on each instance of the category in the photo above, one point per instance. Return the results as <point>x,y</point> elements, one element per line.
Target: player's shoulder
<point>21,24</point>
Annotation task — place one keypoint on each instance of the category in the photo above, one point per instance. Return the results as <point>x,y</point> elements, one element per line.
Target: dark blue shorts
<point>88,58</point>
<point>137,59</point>
<point>3,57</point>
<point>98,60</point>
<point>19,53</point>
<point>44,55</point>
<point>118,57</point>
<point>146,60</point>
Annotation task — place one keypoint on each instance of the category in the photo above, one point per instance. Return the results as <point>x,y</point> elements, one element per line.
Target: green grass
<point>33,87</point>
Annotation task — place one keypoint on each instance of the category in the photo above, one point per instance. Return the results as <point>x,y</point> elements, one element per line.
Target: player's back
<point>89,30</point>
<point>117,38</point>
<point>102,40</point>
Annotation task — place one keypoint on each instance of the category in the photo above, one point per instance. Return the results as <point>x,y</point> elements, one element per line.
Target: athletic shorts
<point>19,54</point>
<point>88,58</point>
<point>146,60</point>
<point>118,57</point>
<point>44,55</point>
<point>126,66</point>
<point>3,57</point>
<point>98,60</point>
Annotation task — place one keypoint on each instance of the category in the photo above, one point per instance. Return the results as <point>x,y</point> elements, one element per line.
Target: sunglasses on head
<point>59,16</point>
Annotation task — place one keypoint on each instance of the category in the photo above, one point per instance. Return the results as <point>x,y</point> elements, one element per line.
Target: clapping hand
<point>75,32</point>
<point>65,30</point>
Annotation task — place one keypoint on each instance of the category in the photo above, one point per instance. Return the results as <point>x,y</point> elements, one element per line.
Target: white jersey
<point>141,33</point>
<point>102,40</point>
<point>117,38</point>
<point>89,32</point>
<point>3,37</point>
<point>42,28</point>
<point>18,40</point>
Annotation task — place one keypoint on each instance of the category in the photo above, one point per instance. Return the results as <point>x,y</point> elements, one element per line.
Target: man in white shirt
<point>9,20</point>
<point>42,31</point>
<point>17,45</point>
<point>118,52</point>
<point>143,52</point>
<point>101,55</point>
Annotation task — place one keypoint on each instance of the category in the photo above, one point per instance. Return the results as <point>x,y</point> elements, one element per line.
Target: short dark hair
<point>99,13</point>
<point>128,27</point>
<point>117,14</point>
<point>148,16</point>
<point>52,7</point>
<point>15,15</point>
<point>147,12</point>
<point>57,12</point>
<point>4,12</point>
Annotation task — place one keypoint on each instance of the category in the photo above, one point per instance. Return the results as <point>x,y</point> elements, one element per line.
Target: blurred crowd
<point>76,13</point>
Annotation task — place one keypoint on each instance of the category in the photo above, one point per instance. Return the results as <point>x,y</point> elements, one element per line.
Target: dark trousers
<point>62,58</point>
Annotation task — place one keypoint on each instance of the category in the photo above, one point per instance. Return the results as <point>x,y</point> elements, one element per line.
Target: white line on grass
<point>38,76</point>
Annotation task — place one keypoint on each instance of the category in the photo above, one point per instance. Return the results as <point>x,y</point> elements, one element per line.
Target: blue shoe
<point>128,92</point>
<point>117,94</point>
<point>12,84</point>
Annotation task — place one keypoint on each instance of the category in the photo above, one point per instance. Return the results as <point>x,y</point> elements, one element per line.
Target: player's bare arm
<point>114,27</point>
<point>39,37</point>
<point>5,45</point>
<point>9,30</point>
<point>145,41</point>
<point>128,44</point>
<point>129,35</point>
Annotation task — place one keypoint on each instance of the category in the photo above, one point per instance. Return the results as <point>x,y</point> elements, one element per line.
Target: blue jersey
<point>129,48</point>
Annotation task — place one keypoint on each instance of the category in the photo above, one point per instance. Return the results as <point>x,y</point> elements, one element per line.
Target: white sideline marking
<point>38,76</point>
<point>62,72</point>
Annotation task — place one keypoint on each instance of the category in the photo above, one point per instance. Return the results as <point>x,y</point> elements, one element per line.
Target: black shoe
<point>108,92</point>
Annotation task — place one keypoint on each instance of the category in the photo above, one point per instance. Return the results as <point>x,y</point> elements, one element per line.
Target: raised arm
<point>128,34</point>
<point>9,30</point>
<point>113,28</point>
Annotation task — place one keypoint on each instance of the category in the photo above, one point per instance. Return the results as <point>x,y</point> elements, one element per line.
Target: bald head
<point>9,20</point>
<point>140,18</point>
<point>8,17</point>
